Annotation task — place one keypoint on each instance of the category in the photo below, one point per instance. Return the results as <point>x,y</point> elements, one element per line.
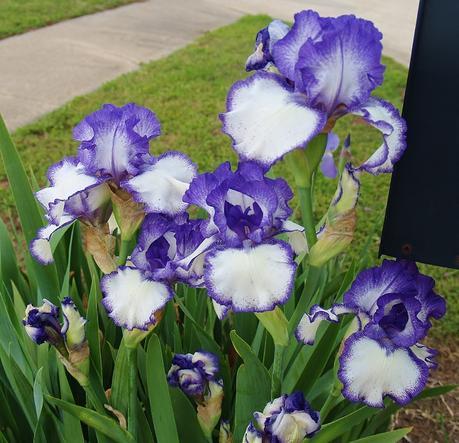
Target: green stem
<point>124,252</point>
<point>334,395</point>
<point>132,383</point>
<point>328,405</point>
<point>276,378</point>
<point>305,197</point>
<point>208,436</point>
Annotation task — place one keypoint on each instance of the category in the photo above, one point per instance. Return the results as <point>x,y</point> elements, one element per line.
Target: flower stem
<point>276,378</point>
<point>334,395</point>
<point>132,380</point>
<point>305,197</point>
<point>329,404</point>
<point>124,252</point>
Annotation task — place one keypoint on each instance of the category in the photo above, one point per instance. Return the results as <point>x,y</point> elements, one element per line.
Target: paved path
<point>43,69</point>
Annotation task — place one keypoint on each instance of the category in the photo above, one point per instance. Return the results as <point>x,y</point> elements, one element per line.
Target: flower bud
<point>338,231</point>
<point>42,324</point>
<point>192,372</point>
<point>195,374</point>
<point>74,325</point>
<point>288,418</point>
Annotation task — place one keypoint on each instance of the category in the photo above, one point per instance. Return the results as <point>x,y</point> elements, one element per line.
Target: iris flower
<point>113,155</point>
<point>307,77</point>
<point>164,243</point>
<point>286,419</point>
<point>246,268</point>
<point>384,356</point>
<point>134,294</point>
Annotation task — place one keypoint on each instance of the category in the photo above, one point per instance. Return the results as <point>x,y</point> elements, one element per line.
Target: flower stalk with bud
<point>196,375</point>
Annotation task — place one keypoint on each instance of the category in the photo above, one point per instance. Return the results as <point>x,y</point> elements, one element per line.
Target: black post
<point>422,218</point>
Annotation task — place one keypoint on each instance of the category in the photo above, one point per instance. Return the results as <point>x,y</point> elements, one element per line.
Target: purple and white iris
<point>193,373</point>
<point>164,243</point>
<point>165,254</point>
<point>245,267</point>
<point>319,70</point>
<point>113,154</point>
<point>42,325</point>
<point>393,303</point>
<point>286,419</point>
<point>73,194</point>
<point>196,375</point>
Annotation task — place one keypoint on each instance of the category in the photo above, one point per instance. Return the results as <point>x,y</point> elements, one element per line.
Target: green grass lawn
<point>19,16</point>
<point>187,90</point>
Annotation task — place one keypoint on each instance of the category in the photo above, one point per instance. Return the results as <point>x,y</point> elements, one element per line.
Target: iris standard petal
<point>153,228</point>
<point>307,26</point>
<point>432,304</point>
<point>397,318</point>
<point>343,67</point>
<point>266,119</point>
<point>372,283</point>
<point>113,137</point>
<point>252,279</point>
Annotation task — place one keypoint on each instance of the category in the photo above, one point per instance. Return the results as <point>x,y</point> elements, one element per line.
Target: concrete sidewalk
<point>43,69</point>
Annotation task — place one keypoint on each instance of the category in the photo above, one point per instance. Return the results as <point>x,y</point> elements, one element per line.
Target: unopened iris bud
<point>42,325</point>
<point>338,230</point>
<point>192,372</point>
<point>195,374</point>
<point>74,325</point>
<point>288,418</point>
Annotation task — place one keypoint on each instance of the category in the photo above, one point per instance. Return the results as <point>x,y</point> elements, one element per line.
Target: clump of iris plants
<point>214,311</point>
